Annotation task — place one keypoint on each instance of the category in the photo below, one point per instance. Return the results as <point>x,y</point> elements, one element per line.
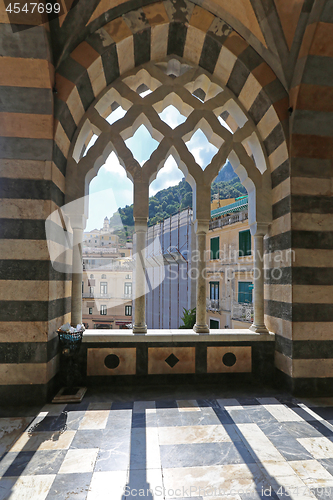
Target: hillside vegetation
<point>169,201</point>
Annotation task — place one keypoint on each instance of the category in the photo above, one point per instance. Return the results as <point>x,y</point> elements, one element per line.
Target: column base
<point>258,328</point>
<point>201,328</point>
<point>139,328</point>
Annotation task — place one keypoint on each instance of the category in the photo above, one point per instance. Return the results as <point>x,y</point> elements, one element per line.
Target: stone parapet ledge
<point>231,336</point>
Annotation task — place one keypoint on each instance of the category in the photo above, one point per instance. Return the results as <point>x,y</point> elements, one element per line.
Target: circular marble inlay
<point>111,361</point>
<point>229,359</point>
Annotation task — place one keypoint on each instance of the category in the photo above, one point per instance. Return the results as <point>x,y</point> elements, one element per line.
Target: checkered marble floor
<point>239,449</point>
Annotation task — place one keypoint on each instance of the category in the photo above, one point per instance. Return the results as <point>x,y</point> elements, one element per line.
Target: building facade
<point>103,237</point>
<point>107,297</point>
<point>107,280</point>
<point>230,266</point>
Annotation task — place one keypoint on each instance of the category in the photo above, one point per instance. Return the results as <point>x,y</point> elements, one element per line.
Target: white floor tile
<point>26,487</point>
<point>108,485</point>
<point>283,413</point>
<point>94,419</point>
<point>193,434</point>
<point>312,473</point>
<point>79,461</point>
<point>319,447</point>
<point>44,441</point>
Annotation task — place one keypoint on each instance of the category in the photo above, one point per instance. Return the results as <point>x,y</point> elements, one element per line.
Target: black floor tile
<point>70,486</point>
<point>53,423</point>
<point>224,417</point>
<point>301,429</point>
<point>122,405</point>
<point>166,404</point>
<point>204,454</point>
<point>111,460</point>
<point>290,449</point>
<point>87,439</point>
<point>34,463</point>
<point>322,428</point>
<point>248,401</point>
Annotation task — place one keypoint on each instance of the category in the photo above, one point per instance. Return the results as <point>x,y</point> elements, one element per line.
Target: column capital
<point>78,221</point>
<point>140,224</point>
<point>201,225</point>
<point>259,228</point>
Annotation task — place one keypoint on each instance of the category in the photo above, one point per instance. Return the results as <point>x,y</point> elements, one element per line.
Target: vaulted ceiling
<point>276,29</point>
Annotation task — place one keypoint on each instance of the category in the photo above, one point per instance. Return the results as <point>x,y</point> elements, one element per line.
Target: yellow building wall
<point>115,299</point>
<point>228,270</point>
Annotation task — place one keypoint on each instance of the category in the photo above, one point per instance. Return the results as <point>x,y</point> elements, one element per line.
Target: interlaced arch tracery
<point>203,101</point>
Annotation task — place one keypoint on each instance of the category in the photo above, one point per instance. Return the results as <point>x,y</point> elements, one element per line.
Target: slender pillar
<point>140,277</point>
<point>201,315</point>
<point>258,279</point>
<point>78,224</point>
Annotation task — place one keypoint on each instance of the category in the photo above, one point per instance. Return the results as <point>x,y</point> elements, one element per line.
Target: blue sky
<point>113,176</point>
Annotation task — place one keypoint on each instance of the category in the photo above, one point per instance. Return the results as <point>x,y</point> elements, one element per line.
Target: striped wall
<point>305,354</point>
<point>41,110</point>
<point>34,298</point>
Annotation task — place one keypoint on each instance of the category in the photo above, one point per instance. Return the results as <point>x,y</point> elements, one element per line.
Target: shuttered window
<point>244,243</point>
<point>245,291</point>
<point>214,324</point>
<point>214,248</point>
<point>214,290</point>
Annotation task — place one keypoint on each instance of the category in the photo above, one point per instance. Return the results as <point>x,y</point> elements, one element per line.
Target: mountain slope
<point>168,201</point>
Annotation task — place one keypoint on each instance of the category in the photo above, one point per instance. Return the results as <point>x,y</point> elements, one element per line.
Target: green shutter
<point>244,291</point>
<point>213,324</point>
<point>214,248</point>
<point>244,243</point>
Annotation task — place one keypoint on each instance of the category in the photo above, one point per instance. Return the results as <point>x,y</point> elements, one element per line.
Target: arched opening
<point>107,250</point>
<point>200,125</point>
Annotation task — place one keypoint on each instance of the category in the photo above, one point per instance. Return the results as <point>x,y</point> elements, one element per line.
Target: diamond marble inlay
<point>172,360</point>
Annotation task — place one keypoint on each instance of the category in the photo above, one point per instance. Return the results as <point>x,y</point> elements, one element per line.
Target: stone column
<point>140,277</point>
<point>201,229</point>
<point>78,224</point>
<point>258,279</point>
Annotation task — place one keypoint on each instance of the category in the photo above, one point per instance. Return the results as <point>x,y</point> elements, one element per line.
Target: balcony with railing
<point>213,305</point>
<point>243,311</point>
<point>225,221</point>
<point>94,295</point>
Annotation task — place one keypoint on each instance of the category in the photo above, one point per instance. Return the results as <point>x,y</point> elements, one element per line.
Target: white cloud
<point>141,144</point>
<point>202,150</point>
<point>169,175</point>
<point>172,116</point>
<point>112,165</point>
